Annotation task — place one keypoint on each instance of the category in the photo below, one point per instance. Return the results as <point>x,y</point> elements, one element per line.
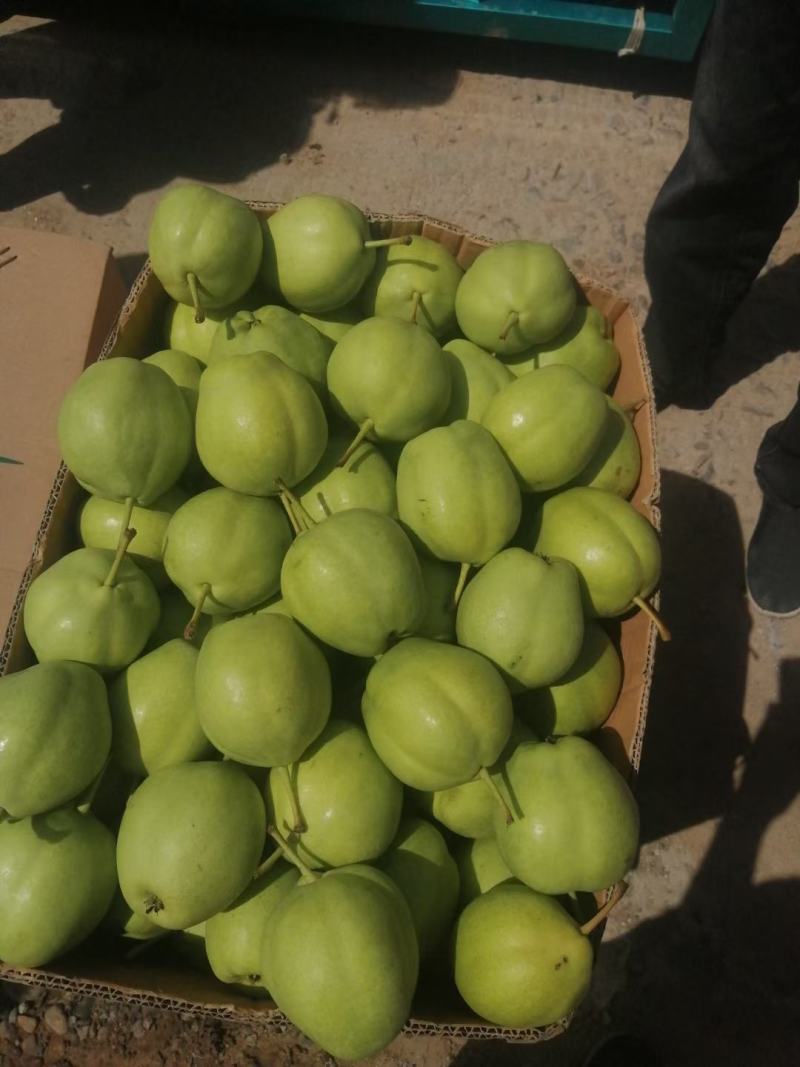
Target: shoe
<point>624,1050</point>
<point>773,560</point>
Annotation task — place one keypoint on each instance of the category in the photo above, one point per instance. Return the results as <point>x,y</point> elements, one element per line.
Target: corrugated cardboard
<point>58,300</point>
<point>138,334</point>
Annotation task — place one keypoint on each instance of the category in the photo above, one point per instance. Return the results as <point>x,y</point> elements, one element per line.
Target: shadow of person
<point>717,979</point>
<point>695,730</point>
<point>764,326</point>
<point>145,100</point>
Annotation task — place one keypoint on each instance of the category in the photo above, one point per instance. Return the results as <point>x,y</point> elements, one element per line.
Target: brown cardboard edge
<point>466,247</point>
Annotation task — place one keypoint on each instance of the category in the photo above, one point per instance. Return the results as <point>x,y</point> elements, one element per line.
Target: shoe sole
<point>771,614</point>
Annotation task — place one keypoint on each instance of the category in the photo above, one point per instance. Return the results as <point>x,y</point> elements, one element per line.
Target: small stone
<point>30,1046</point>
<point>27,1023</point>
<point>56,1020</point>
<point>82,1030</point>
<point>138,1030</point>
<point>147,1022</point>
<point>12,1016</point>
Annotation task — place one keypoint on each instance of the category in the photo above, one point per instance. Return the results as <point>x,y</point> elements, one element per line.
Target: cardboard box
<point>88,970</point>
<point>59,298</point>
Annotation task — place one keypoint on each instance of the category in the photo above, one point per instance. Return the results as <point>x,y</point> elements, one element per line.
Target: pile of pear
<point>320,685</point>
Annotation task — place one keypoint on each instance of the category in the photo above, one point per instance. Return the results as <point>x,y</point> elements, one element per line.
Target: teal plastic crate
<point>672,28</point>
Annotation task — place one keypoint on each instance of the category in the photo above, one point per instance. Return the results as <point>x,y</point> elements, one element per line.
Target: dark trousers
<point>722,208</point>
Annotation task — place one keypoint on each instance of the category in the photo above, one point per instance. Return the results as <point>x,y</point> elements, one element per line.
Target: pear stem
<point>299,823</point>
<point>510,323</point>
<point>416,300</point>
<point>365,428</point>
<point>268,863</point>
<point>126,518</point>
<point>287,507</point>
<point>617,893</point>
<point>323,503</point>
<point>648,609</point>
<point>384,242</point>
<point>199,314</point>
<point>191,626</point>
<point>463,574</point>
<point>485,776</point>
<point>291,854</point>
<point>124,540</point>
<point>298,516</point>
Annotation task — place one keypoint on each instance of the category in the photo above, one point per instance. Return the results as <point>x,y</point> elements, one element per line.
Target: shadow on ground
<point>765,326</point>
<point>215,100</point>
<point>716,979</point>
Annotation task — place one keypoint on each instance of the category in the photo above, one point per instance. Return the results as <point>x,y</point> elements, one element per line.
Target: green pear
<point>102,522</point>
<point>57,879</point>
<point>520,960</point>
<point>55,735</point>
<point>440,580</point>
<point>457,494</point>
<point>354,581</point>
<point>469,809</point>
<point>189,842</point>
<point>333,325</point>
<point>259,424</point>
<point>340,959</point>
<point>224,550</point>
<point>549,424</point>
<point>617,462</point>
<point>183,369</point>
<point>583,698</point>
<point>515,295</point>
<point>233,936</point>
<point>364,480</point>
<point>348,801</point>
<point>121,921</point>
<point>437,715</point>
<point>586,344</point>
<point>205,247</point>
<point>183,333</point>
<point>93,607</point>
<point>477,376</point>
<point>524,613</point>
<point>421,867</point>
<point>175,613</point>
<point>124,430</point>
<point>480,867</point>
<point>279,606</point>
<point>153,711</point>
<point>390,378</point>
<point>576,824</point>
<point>280,332</point>
<point>263,689</point>
<point>416,282</point>
<point>318,253</point>
<point>614,548</point>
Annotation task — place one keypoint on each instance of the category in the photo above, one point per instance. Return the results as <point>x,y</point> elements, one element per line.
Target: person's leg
<point>722,208</point>
<point>773,555</point>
